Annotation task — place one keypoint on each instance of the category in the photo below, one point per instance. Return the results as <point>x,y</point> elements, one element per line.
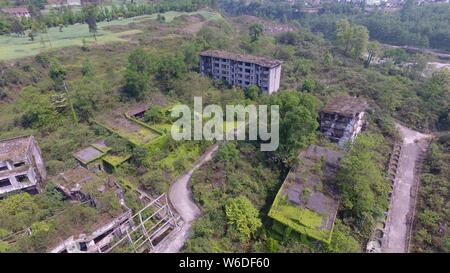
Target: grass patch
<point>13,47</point>
<point>116,160</point>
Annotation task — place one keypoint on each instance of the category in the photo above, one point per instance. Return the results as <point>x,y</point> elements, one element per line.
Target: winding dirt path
<point>180,196</point>
<point>402,202</point>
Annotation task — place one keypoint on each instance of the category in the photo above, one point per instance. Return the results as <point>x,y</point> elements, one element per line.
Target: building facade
<point>342,119</point>
<point>17,11</point>
<point>21,165</point>
<point>241,70</point>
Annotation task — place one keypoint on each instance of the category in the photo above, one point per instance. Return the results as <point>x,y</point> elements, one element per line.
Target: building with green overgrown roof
<point>97,157</point>
<point>306,201</point>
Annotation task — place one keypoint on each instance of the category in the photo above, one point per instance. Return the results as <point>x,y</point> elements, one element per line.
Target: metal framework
<point>148,227</point>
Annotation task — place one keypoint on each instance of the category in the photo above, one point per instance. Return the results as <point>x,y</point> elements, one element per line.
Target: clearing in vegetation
<point>13,47</point>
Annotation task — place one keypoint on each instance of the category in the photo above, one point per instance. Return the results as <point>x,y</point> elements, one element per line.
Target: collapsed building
<point>81,186</point>
<point>241,70</point>
<point>342,119</point>
<point>138,111</point>
<point>111,230</point>
<point>21,165</point>
<point>307,200</point>
<point>96,239</point>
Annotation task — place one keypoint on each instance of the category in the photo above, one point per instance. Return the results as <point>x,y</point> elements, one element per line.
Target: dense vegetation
<point>363,184</point>
<point>413,25</point>
<point>38,213</point>
<point>420,26</point>
<point>431,226</point>
<point>231,191</point>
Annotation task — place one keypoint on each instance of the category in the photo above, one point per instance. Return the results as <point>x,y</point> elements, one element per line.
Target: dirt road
<point>397,224</point>
<point>180,196</point>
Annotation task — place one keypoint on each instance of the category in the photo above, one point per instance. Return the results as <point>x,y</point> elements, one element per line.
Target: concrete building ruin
<point>97,240</point>
<point>21,165</point>
<point>342,119</point>
<point>97,158</point>
<point>144,231</point>
<point>77,184</point>
<point>138,111</point>
<point>16,11</point>
<point>241,70</point>
<point>117,230</point>
<point>307,200</point>
<point>82,186</point>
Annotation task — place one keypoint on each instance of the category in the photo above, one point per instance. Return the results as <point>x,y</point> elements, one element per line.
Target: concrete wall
<point>33,168</point>
<point>12,175</point>
<point>37,160</point>
<point>341,129</point>
<point>274,80</point>
<point>113,228</point>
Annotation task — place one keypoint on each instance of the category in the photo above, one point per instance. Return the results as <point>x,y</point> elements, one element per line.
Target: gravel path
<point>180,196</point>
<point>397,224</point>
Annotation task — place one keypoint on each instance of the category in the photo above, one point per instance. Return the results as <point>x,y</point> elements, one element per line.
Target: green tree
<point>155,182</point>
<point>252,92</point>
<point>155,115</point>
<point>353,39</point>
<point>308,85</point>
<point>169,68</point>
<point>363,186</point>
<point>57,74</point>
<point>137,74</point>
<point>191,58</point>
<point>227,153</point>
<point>40,236</point>
<point>140,155</point>
<point>435,94</point>
<point>298,124</point>
<point>255,31</point>
<point>243,215</point>
<point>344,34</point>
<point>87,69</point>
<point>37,110</point>
<point>18,212</point>
<point>342,240</point>
<point>373,50</point>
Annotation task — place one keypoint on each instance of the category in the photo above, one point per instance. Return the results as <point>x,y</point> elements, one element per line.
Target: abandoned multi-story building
<point>343,118</point>
<point>21,165</point>
<point>241,70</point>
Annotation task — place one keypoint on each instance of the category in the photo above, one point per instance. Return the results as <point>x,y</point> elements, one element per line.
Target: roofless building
<point>21,165</point>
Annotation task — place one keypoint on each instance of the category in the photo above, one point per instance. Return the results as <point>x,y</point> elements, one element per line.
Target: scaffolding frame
<point>142,229</point>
